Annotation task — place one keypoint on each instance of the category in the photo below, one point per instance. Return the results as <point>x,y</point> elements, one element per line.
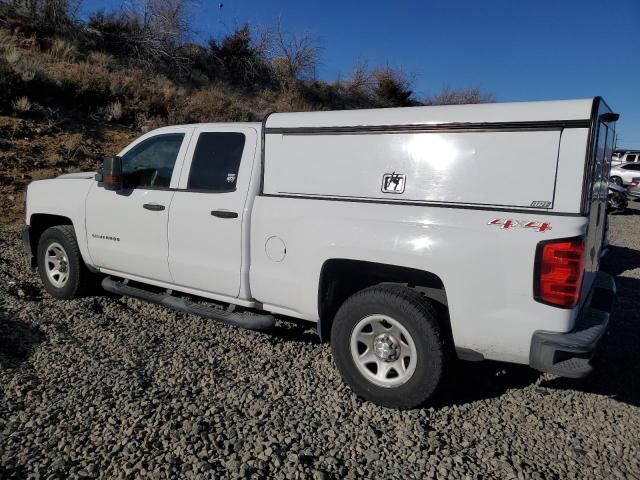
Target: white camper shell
<point>500,155</point>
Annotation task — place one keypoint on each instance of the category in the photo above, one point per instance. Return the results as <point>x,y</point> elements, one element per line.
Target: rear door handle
<point>154,207</point>
<point>224,214</point>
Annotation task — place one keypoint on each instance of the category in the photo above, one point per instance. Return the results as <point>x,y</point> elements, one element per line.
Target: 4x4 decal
<point>509,223</point>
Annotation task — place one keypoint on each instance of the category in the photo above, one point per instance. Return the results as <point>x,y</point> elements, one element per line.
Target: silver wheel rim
<point>383,351</point>
<point>56,264</point>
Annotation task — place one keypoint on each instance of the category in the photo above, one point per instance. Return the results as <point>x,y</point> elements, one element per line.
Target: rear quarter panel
<point>487,271</point>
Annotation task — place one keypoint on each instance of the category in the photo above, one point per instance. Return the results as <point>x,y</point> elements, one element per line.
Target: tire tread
<point>412,305</point>
<point>80,278</point>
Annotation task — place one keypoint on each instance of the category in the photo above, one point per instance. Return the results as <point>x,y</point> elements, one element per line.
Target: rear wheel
<point>60,265</point>
<point>616,180</point>
<point>389,346</point>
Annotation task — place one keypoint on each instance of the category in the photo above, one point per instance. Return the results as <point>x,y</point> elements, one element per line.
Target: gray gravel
<point>115,388</point>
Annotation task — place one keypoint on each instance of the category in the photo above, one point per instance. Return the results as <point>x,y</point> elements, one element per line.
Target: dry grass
<point>27,68</point>
<point>212,105</point>
<point>80,77</point>
<point>102,59</point>
<point>63,50</point>
<point>113,111</point>
<point>13,55</point>
<point>22,105</point>
<point>72,146</point>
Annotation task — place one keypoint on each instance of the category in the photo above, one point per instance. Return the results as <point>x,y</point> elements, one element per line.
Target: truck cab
<point>184,205</point>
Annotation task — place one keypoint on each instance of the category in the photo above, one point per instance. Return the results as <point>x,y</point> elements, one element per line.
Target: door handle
<point>154,207</point>
<point>224,214</point>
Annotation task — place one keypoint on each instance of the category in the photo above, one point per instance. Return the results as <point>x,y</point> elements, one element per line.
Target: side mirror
<point>110,174</point>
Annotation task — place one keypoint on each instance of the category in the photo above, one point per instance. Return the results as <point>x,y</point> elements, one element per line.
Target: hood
<point>85,175</point>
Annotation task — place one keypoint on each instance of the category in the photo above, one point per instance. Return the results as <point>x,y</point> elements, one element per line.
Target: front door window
<point>150,163</point>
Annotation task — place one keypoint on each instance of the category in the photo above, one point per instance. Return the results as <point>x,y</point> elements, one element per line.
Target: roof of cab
<point>213,125</point>
<point>442,114</point>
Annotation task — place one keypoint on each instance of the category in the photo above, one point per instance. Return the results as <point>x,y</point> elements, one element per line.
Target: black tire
<point>419,318</point>
<point>79,279</point>
<point>617,180</point>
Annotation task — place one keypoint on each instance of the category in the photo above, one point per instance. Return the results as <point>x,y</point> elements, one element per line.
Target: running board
<point>253,321</point>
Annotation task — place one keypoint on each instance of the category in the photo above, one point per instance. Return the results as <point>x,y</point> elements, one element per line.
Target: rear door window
<point>631,158</point>
<point>216,160</point>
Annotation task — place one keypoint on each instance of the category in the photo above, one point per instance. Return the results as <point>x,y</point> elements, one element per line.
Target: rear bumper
<point>569,354</point>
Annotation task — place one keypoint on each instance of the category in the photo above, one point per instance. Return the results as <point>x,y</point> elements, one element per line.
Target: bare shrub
<point>13,55</point>
<point>166,21</point>
<point>113,111</point>
<point>81,78</point>
<point>101,59</point>
<point>239,58</point>
<point>361,80</point>
<point>293,57</point>
<point>381,86</point>
<point>212,105</point>
<point>29,42</point>
<point>63,50</point>
<point>148,30</point>
<point>393,87</point>
<point>54,12</point>
<point>72,146</point>
<point>27,68</point>
<point>461,96</point>
<point>22,105</point>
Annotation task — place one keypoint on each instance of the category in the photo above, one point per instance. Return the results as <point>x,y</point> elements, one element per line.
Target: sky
<point>518,50</point>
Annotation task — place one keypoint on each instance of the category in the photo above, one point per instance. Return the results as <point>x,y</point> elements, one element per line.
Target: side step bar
<point>253,321</point>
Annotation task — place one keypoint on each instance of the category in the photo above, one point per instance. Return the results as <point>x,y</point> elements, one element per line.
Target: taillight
<point>635,182</point>
<point>558,272</point>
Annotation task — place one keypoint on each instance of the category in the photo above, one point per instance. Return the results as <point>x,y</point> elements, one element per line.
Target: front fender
<point>64,197</point>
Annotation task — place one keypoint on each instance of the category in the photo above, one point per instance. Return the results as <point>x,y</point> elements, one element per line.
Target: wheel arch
<point>39,222</point>
<point>342,277</point>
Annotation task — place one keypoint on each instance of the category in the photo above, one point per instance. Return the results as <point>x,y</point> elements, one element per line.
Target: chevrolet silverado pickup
<point>411,236</point>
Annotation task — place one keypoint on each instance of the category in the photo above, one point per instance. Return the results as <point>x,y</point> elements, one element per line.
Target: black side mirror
<point>110,175</point>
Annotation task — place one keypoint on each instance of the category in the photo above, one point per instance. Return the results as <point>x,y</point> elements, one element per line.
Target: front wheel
<point>60,264</point>
<point>389,346</point>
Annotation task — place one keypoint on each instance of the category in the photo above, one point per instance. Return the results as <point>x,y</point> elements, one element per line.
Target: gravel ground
<point>115,388</point>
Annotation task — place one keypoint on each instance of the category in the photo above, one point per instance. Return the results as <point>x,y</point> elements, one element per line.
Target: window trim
<point>177,189</point>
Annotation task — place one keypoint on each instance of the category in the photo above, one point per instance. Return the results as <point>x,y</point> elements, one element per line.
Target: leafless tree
<point>167,21</point>
<point>152,29</point>
<point>361,80</point>
<point>294,57</point>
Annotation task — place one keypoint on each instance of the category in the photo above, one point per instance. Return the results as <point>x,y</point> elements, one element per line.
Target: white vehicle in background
<point>624,156</point>
<point>624,173</point>
<point>387,228</point>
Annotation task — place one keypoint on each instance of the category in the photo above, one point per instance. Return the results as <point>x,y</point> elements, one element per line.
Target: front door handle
<point>154,207</point>
<point>224,214</point>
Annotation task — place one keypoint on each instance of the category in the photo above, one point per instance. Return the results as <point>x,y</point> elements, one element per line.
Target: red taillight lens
<point>559,269</point>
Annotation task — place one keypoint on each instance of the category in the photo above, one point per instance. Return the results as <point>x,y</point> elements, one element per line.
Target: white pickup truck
<point>411,236</point>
